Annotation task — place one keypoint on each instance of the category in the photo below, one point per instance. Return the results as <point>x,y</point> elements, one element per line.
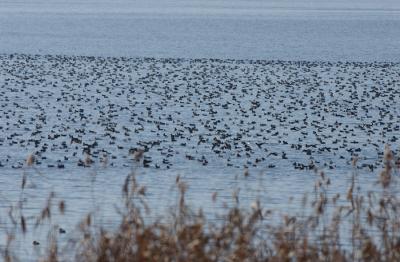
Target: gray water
<point>207,120</point>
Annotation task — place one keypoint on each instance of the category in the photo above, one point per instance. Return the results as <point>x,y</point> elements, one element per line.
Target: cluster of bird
<point>73,110</point>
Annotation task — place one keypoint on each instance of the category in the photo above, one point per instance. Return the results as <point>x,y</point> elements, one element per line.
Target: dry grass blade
<point>30,160</point>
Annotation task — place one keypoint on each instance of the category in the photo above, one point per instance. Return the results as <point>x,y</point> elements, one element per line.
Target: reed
<point>355,227</point>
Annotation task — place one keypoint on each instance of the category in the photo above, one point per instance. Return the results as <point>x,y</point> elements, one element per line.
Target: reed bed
<point>353,227</point>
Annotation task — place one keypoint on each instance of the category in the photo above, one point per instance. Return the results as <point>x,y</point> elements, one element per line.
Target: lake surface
<point>207,120</point>
<point>264,99</point>
<point>286,30</point>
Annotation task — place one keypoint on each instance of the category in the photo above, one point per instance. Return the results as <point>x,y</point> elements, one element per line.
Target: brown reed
<point>358,227</point>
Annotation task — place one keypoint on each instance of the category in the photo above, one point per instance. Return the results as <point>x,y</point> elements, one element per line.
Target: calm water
<point>207,120</point>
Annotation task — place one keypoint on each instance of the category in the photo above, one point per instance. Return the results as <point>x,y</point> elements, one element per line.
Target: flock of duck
<point>82,111</point>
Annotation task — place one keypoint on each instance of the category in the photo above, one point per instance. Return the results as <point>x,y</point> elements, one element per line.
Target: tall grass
<point>353,227</point>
